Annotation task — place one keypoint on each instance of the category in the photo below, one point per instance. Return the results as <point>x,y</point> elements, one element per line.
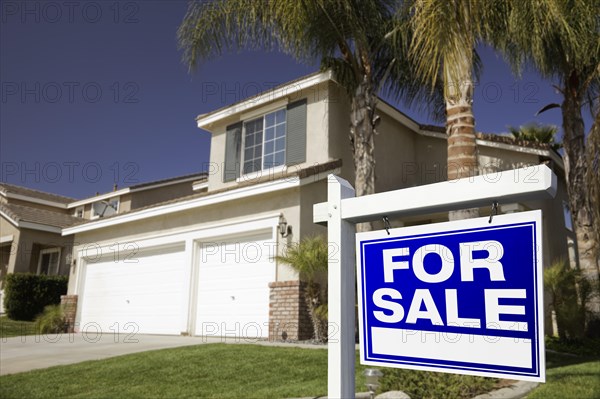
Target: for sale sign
<point>459,297</point>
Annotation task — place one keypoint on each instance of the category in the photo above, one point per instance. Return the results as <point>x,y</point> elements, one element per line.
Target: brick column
<point>288,315</point>
<point>69,305</point>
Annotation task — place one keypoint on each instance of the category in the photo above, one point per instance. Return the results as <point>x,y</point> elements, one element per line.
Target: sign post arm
<point>341,347</point>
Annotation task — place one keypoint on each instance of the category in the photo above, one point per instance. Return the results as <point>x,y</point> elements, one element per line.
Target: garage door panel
<point>149,293</point>
<point>233,289</point>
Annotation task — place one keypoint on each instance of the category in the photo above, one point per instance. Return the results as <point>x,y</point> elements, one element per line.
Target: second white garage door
<point>145,292</point>
<point>233,286</point>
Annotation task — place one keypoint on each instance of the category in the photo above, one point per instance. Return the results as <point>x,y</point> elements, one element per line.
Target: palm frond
<point>309,257</point>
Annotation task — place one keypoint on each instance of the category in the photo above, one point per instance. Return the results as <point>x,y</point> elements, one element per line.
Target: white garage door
<point>149,293</point>
<point>233,286</point>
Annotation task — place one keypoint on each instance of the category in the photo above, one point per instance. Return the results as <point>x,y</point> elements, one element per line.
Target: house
<point>31,221</point>
<point>203,264</point>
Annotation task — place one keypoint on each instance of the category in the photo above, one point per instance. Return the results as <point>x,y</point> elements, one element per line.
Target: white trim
<point>28,198</point>
<point>100,197</point>
<point>206,120</point>
<point>199,186</point>
<point>527,150</point>
<point>197,232</point>
<point>260,173</point>
<point>129,190</point>
<point>164,184</point>
<point>31,225</point>
<point>11,220</point>
<point>415,127</point>
<point>398,116</point>
<point>244,192</point>
<point>429,133</point>
<point>524,184</point>
<point>40,227</point>
<point>267,109</point>
<point>49,251</point>
<point>8,238</point>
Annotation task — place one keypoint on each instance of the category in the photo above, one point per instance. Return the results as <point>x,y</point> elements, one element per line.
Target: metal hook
<point>386,224</point>
<point>494,210</point>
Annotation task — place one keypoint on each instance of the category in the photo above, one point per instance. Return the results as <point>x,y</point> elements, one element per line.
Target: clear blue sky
<point>93,93</point>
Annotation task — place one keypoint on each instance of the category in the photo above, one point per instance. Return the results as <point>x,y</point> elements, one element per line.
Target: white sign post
<point>343,210</point>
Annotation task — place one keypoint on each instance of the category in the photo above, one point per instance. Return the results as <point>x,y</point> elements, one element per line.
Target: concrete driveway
<point>32,352</point>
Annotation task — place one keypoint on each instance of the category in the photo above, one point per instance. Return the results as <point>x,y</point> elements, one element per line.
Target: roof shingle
<point>20,213</point>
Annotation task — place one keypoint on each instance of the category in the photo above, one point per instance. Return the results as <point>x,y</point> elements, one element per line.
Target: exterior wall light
<point>284,229</point>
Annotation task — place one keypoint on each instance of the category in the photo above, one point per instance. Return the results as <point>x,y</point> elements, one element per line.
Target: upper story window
<point>272,140</point>
<point>105,208</point>
<point>264,142</point>
<point>78,212</point>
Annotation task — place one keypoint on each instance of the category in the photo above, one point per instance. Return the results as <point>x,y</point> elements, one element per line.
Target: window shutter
<point>233,147</point>
<point>295,147</point>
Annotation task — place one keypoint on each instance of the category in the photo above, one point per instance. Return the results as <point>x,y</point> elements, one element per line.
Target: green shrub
<point>26,295</point>
<point>429,385</point>
<point>582,347</point>
<point>571,292</point>
<point>51,320</point>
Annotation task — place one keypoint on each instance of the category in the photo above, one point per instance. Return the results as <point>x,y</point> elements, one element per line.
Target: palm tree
<point>309,258</point>
<point>592,180</point>
<point>349,37</point>
<point>445,34</point>
<point>562,40</point>
<point>536,133</point>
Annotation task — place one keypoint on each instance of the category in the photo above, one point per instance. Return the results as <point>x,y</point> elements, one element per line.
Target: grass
<point>11,328</point>
<point>253,371</point>
<point>215,371</point>
<point>569,377</point>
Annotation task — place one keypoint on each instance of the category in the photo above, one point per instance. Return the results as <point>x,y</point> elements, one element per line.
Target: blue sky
<point>93,93</point>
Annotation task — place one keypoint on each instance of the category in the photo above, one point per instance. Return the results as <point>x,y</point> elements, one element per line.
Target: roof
<point>19,190</point>
<point>196,176</point>
<point>288,88</point>
<point>292,173</point>
<point>20,213</point>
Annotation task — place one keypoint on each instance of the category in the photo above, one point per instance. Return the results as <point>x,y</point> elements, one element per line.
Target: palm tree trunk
<point>460,129</point>
<point>363,122</point>
<point>575,169</point>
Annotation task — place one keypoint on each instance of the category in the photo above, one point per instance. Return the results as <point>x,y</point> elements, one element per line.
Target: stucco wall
<point>316,125</point>
<point>8,229</point>
<point>143,198</point>
<point>25,252</point>
<point>286,202</point>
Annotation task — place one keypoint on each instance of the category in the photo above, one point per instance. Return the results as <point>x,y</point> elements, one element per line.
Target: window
<point>78,212</point>
<point>264,142</point>
<point>272,140</point>
<point>105,208</point>
<point>49,261</point>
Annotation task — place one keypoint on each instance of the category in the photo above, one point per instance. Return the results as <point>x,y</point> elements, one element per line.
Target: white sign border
<point>447,227</point>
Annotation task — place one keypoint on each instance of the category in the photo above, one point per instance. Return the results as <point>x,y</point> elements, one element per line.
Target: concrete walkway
<point>32,352</point>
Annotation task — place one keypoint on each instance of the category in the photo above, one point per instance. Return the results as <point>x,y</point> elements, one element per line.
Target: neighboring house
<point>31,221</point>
<point>203,264</point>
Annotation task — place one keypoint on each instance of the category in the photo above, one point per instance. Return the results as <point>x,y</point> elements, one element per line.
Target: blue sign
<point>459,297</point>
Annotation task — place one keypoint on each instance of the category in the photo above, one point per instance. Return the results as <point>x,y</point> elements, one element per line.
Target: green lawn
<point>569,377</point>
<point>203,371</point>
<point>11,328</point>
<point>253,371</point>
